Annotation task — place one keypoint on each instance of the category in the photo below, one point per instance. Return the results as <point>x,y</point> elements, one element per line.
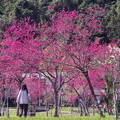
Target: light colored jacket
<point>22,97</point>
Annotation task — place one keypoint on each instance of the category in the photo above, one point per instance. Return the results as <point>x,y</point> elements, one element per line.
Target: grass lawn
<point>65,114</point>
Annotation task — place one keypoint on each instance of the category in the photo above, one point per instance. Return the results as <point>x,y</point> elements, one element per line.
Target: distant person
<point>105,109</point>
<point>22,100</point>
<point>110,112</point>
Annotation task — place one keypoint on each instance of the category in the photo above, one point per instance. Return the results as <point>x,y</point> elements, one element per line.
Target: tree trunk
<point>93,93</point>
<point>86,111</point>
<point>19,86</point>
<point>115,103</point>
<point>56,114</point>
<point>7,110</point>
<point>81,101</point>
<point>84,107</point>
<point>3,107</point>
<point>81,111</point>
<point>116,109</point>
<point>93,109</point>
<point>17,109</point>
<point>3,99</point>
<point>47,108</point>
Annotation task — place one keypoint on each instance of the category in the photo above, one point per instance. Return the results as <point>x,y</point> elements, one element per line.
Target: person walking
<point>22,100</point>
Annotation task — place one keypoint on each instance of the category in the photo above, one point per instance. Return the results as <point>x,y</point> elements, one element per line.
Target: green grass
<point>65,114</point>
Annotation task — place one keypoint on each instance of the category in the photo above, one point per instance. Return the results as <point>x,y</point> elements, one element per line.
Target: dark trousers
<point>24,107</point>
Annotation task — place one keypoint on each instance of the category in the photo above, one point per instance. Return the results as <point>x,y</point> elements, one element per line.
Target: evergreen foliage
<point>38,11</point>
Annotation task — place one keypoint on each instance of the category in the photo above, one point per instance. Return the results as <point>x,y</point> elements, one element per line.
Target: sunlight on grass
<point>65,114</point>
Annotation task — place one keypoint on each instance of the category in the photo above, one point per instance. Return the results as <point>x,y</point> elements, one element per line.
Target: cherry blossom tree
<point>57,49</point>
<point>36,87</point>
<point>80,87</point>
<point>74,31</point>
<point>26,49</point>
<point>57,73</point>
<point>110,62</point>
